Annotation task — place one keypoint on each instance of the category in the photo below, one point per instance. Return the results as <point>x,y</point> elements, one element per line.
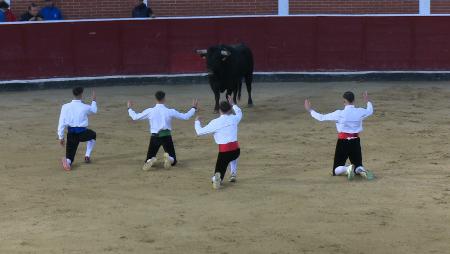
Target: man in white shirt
<point>160,120</point>
<point>74,116</point>
<point>225,131</point>
<point>349,125</point>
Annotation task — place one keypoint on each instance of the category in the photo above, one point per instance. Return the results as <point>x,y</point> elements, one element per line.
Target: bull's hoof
<point>216,111</point>
<point>250,105</point>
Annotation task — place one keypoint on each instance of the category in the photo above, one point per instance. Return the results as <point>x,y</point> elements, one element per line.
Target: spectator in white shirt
<point>74,116</point>
<point>160,120</point>
<point>225,131</point>
<point>349,125</point>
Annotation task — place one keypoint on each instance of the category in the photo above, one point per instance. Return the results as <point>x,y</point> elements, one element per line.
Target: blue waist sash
<point>76,130</point>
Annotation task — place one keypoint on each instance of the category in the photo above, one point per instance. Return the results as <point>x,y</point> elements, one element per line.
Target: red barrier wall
<point>166,46</point>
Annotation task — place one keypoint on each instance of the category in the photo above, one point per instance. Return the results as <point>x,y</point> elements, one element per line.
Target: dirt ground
<point>285,200</point>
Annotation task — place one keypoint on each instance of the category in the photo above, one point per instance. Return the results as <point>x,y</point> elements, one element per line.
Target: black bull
<point>227,65</point>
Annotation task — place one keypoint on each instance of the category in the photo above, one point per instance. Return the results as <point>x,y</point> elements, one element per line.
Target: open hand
<point>93,95</point>
<point>129,104</point>
<point>230,100</point>
<point>307,105</point>
<point>62,142</point>
<point>366,97</point>
<point>198,118</point>
<point>195,103</point>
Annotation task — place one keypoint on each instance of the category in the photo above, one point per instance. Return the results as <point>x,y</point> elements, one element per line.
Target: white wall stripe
<point>31,81</point>
<point>220,17</point>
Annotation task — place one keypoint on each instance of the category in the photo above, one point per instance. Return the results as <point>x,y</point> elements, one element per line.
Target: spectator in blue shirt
<point>2,15</point>
<point>50,11</point>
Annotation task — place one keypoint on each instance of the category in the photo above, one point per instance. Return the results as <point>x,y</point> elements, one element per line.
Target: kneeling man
<point>349,125</point>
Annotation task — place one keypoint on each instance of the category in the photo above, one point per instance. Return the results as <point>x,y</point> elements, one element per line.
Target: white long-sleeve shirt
<point>224,128</point>
<point>160,117</point>
<point>348,120</point>
<point>75,114</point>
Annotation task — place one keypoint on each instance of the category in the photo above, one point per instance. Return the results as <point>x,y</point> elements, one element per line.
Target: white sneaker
<point>350,172</point>
<point>149,164</point>
<point>167,161</point>
<point>216,181</point>
<point>367,174</point>
<point>232,178</point>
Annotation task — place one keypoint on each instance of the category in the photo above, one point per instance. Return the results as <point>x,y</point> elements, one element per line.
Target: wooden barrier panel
<point>167,46</point>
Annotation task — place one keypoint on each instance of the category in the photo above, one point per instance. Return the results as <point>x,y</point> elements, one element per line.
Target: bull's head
<point>214,56</point>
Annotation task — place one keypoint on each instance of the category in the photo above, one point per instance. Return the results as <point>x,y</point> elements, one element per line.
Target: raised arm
<point>236,109</point>
<point>187,115</point>
<point>93,107</point>
<point>369,109</point>
<point>139,116</point>
<point>62,124</point>
<point>208,129</point>
<point>321,117</point>
<point>238,112</point>
<point>183,116</point>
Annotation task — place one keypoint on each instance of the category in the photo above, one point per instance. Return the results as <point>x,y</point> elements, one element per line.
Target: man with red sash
<point>349,125</point>
<point>225,131</point>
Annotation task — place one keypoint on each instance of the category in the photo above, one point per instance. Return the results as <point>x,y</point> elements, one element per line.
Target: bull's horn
<point>201,51</point>
<point>225,52</point>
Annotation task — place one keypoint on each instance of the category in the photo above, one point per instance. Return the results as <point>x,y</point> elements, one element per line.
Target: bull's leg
<point>234,96</point>
<point>217,98</point>
<point>248,82</point>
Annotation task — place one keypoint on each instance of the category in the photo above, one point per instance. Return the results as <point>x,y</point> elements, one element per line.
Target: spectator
<point>32,14</point>
<point>8,15</point>
<point>142,10</point>
<point>2,14</point>
<point>50,11</point>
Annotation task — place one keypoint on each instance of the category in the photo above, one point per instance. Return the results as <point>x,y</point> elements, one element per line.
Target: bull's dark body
<point>225,73</point>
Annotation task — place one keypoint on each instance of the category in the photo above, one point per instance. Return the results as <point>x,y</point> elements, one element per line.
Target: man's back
<point>51,13</point>
<point>76,112</point>
<point>141,11</point>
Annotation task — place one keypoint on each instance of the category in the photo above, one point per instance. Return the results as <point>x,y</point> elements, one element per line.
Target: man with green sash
<point>160,120</point>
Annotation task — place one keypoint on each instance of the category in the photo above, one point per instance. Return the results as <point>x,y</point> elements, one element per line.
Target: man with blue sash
<point>74,116</point>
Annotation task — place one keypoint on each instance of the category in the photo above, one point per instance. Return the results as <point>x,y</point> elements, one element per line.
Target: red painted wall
<point>166,46</point>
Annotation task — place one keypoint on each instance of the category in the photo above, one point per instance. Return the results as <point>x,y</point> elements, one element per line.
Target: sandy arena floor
<point>285,200</point>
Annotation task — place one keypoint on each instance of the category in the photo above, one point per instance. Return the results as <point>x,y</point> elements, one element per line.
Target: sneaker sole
<point>167,163</point>
<point>65,165</point>
<point>351,174</point>
<point>232,180</point>
<point>216,183</point>
<point>148,165</point>
<point>369,175</point>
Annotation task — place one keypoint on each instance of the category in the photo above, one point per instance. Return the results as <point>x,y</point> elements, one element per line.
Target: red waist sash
<point>232,146</point>
<point>343,135</point>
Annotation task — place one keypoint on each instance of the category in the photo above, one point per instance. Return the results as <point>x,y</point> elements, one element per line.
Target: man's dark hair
<point>160,95</point>
<point>32,5</point>
<point>4,5</point>
<point>224,106</point>
<point>349,96</point>
<point>77,91</point>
